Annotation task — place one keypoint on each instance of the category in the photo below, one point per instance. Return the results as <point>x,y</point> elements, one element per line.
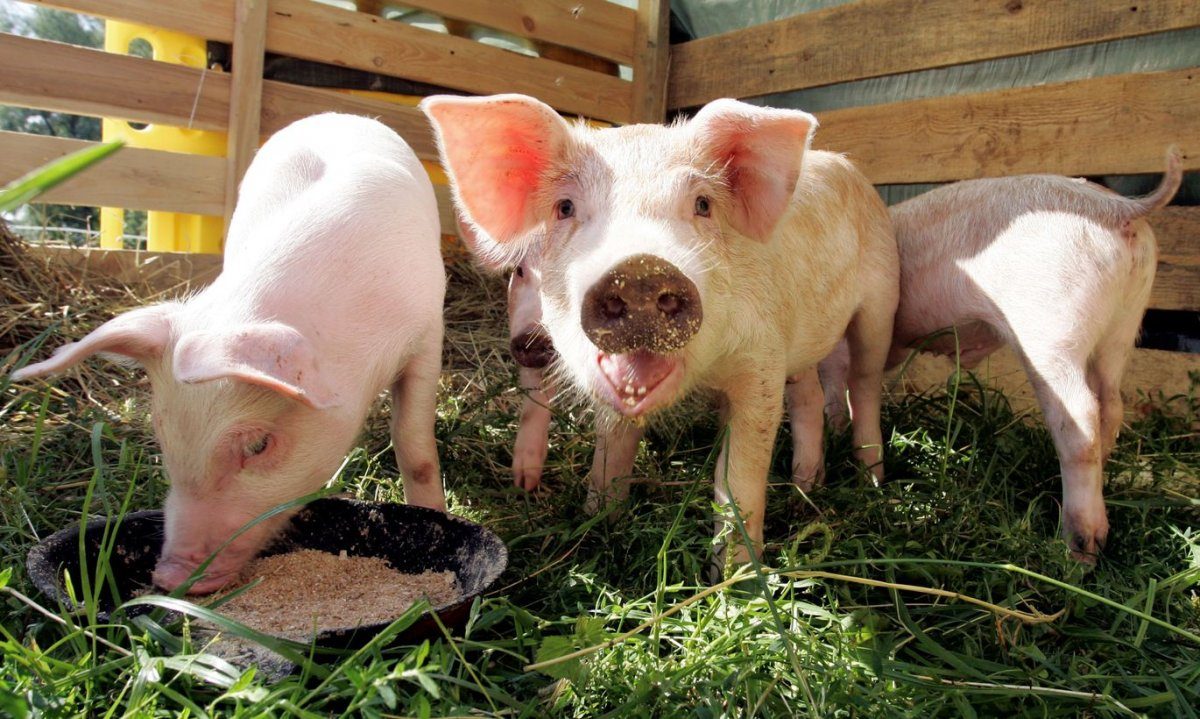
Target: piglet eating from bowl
<point>331,291</point>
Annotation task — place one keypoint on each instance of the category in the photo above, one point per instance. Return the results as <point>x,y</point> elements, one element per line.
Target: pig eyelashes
<point>256,446</point>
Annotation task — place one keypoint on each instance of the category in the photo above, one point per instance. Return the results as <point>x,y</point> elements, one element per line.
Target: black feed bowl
<point>412,539</point>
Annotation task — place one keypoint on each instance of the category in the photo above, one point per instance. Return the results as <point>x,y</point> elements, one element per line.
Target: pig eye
<point>257,446</point>
<point>520,271</point>
<point>564,209</point>
<point>703,206</point>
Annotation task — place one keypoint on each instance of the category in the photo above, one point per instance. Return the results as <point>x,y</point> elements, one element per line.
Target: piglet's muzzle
<point>644,303</point>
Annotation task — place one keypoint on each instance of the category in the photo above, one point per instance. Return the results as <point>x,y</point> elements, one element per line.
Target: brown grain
<point>309,590</point>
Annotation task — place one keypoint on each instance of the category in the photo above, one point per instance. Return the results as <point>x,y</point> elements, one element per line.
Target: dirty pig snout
<point>642,303</point>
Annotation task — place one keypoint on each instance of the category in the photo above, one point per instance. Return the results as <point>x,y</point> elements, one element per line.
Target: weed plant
<point>945,592</point>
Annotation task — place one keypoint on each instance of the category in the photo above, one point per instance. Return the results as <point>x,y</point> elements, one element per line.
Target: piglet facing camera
<point>718,253</point>
<point>331,291</point>
<point>1058,268</point>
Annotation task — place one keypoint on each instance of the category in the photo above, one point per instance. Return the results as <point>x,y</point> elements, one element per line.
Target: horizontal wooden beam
<point>1108,125</point>
<point>597,27</point>
<point>1148,371</point>
<point>322,33</point>
<point>81,81</point>
<point>872,38</point>
<point>65,78</point>
<point>1177,283</point>
<point>131,178</point>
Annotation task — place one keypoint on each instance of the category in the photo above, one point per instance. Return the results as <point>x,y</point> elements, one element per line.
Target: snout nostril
<point>614,308</point>
<point>670,304</point>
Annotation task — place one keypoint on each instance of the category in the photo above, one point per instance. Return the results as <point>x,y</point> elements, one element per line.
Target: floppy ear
<point>268,354</point>
<point>496,151</point>
<point>760,149</point>
<point>140,335</point>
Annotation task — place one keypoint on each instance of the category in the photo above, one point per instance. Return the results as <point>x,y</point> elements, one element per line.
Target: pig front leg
<point>533,434</point>
<point>1072,415</point>
<point>616,448</point>
<point>752,409</point>
<point>805,400</point>
<point>414,412</point>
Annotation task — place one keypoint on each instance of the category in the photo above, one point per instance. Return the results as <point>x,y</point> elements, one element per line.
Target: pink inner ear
<point>761,150</point>
<point>269,354</point>
<point>496,151</point>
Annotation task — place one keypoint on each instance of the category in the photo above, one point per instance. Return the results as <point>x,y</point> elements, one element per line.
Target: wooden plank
<point>1149,372</point>
<point>312,31</point>
<point>65,78</point>
<point>284,103</point>
<point>872,38</point>
<point>1178,233</point>
<point>652,45</point>
<point>1176,287</point>
<point>210,19</point>
<point>1106,125</point>
<point>132,178</point>
<point>1177,284</point>
<point>245,103</point>
<point>597,27</point>
<point>82,81</point>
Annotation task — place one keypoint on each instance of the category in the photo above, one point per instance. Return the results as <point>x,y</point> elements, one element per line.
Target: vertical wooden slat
<point>652,53</point>
<point>245,102</point>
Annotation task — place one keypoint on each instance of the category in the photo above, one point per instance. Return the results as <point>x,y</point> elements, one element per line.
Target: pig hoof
<point>807,481</point>
<point>1085,536</point>
<point>527,479</point>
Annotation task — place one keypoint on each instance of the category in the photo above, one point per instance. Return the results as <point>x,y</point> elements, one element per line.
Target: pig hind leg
<point>1072,412</point>
<point>804,402</point>
<point>414,410</point>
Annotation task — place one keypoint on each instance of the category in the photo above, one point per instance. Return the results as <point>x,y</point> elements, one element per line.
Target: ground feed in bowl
<point>307,590</point>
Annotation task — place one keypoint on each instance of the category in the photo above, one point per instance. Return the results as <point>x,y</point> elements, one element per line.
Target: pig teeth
<point>630,401</point>
<point>629,389</point>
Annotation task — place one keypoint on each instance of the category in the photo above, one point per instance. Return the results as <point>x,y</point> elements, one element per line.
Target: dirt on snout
<point>308,591</point>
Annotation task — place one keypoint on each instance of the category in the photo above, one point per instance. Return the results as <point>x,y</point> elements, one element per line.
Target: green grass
<point>944,593</point>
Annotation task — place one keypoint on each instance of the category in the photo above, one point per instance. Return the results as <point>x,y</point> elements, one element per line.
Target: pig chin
<point>637,383</point>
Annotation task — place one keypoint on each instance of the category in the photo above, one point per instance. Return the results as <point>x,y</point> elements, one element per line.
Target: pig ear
<point>496,151</point>
<point>761,150</point>
<point>139,334</point>
<point>268,354</point>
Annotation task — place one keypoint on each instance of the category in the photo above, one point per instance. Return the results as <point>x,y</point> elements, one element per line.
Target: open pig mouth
<point>636,383</point>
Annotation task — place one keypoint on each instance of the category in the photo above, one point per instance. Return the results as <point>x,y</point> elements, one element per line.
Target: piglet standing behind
<point>331,291</point>
<point>1058,268</point>
<point>719,253</point>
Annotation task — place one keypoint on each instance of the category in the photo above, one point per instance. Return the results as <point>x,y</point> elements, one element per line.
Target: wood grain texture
<point>652,45</point>
<point>210,19</point>
<point>597,27</point>
<point>322,33</point>
<point>172,273</point>
<point>311,31</point>
<point>1149,372</point>
<point>872,38</point>
<point>131,178</point>
<point>245,103</point>
<point>1108,125</point>
<point>82,81</point>
<point>1178,233</point>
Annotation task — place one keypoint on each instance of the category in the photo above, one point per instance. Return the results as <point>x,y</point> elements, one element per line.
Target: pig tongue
<point>634,375</point>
